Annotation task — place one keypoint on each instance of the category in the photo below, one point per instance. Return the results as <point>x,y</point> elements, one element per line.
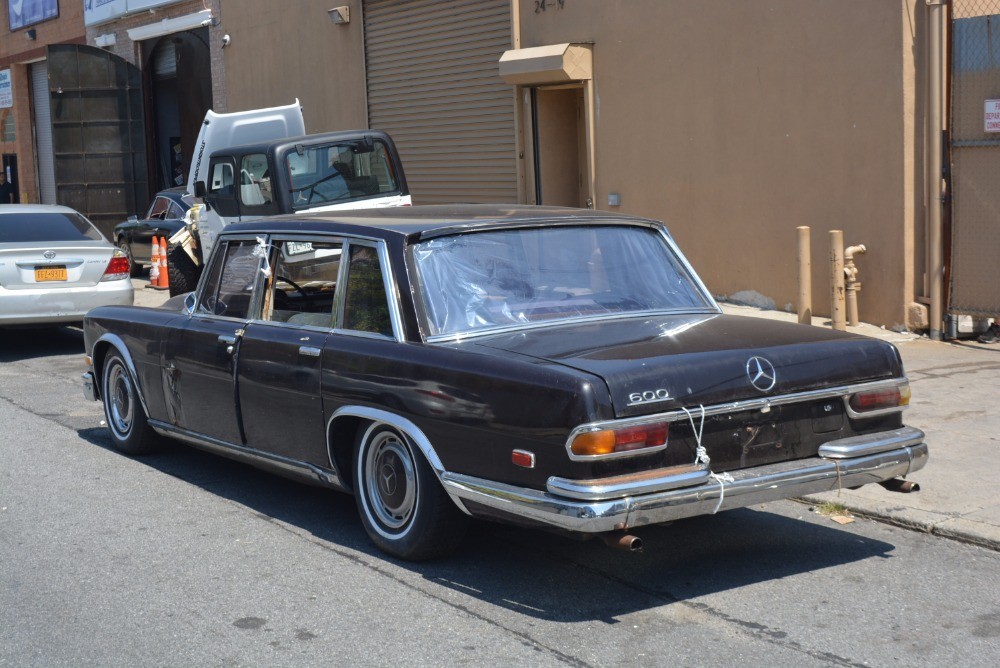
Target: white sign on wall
<point>102,11</point>
<point>991,116</point>
<point>6,90</point>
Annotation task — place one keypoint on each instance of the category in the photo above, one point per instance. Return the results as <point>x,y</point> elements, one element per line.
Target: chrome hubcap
<point>389,480</point>
<point>120,405</point>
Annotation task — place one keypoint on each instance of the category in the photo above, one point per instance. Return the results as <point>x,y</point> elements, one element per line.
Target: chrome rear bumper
<point>872,462</point>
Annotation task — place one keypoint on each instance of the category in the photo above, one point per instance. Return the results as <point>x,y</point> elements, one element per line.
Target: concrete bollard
<point>837,318</point>
<point>805,277</point>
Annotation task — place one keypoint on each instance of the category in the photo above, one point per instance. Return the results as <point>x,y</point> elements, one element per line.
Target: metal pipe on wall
<point>837,319</point>
<point>935,60</point>
<point>805,277</point>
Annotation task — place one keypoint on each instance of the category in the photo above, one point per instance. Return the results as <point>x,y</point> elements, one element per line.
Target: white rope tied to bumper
<point>701,456</point>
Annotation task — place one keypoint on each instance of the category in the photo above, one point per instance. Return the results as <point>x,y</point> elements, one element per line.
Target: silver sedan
<point>55,266</point>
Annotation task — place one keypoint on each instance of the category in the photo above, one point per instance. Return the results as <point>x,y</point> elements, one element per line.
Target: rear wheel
<point>182,270</point>
<point>402,505</point>
<point>130,430</point>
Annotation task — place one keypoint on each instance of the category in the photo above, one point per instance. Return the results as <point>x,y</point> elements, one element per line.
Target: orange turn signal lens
<point>609,441</point>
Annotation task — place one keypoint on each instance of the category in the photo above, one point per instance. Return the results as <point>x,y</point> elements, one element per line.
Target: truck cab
<point>248,166</point>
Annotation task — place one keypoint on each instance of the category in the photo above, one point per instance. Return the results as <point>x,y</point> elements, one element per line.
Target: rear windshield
<point>38,227</point>
<point>335,173</point>
<point>488,280</point>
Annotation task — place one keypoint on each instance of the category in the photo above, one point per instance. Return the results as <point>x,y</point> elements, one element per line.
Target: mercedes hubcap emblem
<point>388,480</point>
<point>761,373</point>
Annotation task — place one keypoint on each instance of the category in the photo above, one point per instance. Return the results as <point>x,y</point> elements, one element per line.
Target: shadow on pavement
<point>538,574</point>
<point>22,343</point>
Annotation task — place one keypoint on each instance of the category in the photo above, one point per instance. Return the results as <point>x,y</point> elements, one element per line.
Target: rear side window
<point>230,284</point>
<point>366,308</point>
<point>39,227</point>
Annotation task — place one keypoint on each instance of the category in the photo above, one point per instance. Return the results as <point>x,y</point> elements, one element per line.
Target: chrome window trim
<point>842,391</point>
<point>551,324</point>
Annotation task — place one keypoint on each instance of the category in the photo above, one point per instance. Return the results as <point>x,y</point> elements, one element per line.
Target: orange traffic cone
<point>164,272</point>
<point>154,262</point>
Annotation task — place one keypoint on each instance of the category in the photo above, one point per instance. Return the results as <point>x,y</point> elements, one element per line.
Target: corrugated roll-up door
<point>434,85</point>
<point>44,156</point>
<point>165,59</point>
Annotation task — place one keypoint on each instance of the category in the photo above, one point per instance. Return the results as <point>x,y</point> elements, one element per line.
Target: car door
<point>201,352</point>
<point>146,229</point>
<point>280,363</point>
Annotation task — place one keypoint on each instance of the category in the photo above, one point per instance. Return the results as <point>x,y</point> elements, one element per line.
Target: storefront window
<point>7,130</point>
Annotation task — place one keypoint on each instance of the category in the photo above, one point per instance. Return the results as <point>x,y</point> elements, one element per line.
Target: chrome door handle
<point>229,342</point>
<point>309,351</point>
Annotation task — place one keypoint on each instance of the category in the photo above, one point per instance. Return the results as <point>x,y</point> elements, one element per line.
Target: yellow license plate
<point>50,274</point>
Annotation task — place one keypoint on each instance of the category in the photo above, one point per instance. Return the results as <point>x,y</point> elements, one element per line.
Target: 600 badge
<point>648,397</point>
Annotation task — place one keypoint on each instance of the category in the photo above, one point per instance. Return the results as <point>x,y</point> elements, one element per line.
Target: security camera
<point>225,41</point>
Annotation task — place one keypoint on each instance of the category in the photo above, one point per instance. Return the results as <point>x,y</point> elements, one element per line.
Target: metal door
<point>98,133</point>
<point>975,158</point>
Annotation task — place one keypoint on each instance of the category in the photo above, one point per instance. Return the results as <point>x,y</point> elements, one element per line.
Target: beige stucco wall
<point>735,122</point>
<point>280,51</point>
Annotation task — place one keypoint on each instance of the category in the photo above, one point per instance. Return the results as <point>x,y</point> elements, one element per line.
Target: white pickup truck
<point>260,163</point>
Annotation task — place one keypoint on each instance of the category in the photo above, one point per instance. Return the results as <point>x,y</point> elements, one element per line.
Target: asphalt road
<point>185,559</point>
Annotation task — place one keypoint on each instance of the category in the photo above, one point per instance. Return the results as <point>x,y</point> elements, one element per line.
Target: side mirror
<point>189,302</point>
<point>200,190</point>
<point>133,219</point>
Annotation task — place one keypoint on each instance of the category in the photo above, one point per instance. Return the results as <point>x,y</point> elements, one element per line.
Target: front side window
<point>229,286</point>
<point>303,283</point>
<point>487,280</point>
<point>366,307</point>
<point>336,173</point>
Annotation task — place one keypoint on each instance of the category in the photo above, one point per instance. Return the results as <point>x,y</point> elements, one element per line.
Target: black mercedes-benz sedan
<point>559,368</point>
<point>163,218</point>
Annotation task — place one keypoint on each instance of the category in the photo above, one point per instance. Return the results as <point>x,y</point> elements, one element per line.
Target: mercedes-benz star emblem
<point>49,255</point>
<point>761,373</point>
<point>388,481</point>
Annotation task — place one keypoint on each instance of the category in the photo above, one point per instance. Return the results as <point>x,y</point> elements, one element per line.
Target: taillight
<point>118,267</point>
<point>881,399</point>
<point>622,440</point>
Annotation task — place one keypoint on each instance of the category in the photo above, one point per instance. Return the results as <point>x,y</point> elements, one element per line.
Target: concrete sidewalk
<point>955,402</point>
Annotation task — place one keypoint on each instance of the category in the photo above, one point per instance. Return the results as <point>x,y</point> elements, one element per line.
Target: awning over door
<point>551,64</point>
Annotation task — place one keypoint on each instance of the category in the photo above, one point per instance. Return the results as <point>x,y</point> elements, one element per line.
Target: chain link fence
<point>975,158</point>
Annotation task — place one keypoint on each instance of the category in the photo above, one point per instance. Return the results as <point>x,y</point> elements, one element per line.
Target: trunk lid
<point>33,265</point>
<point>662,363</point>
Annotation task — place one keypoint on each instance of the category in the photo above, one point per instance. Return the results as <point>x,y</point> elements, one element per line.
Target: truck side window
<point>222,180</point>
<point>255,181</point>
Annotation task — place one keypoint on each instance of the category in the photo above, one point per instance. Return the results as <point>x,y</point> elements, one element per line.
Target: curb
<point>955,528</point>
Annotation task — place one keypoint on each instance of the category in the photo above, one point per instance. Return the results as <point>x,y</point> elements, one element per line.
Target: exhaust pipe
<point>622,541</point>
<point>900,485</point>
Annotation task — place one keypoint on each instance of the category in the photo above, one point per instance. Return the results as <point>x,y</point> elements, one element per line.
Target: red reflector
<point>875,400</point>
<point>523,458</point>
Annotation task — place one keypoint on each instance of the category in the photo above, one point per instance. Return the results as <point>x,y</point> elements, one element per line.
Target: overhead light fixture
<point>105,41</point>
<point>340,15</point>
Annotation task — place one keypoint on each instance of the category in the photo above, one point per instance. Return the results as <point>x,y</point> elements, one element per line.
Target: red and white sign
<point>991,116</point>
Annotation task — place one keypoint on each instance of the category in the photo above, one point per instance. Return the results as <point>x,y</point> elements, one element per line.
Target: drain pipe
<point>837,280</point>
<point>935,59</point>
<point>805,309</point>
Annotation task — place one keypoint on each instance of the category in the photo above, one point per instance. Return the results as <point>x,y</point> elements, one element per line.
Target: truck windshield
<point>335,173</point>
<point>487,280</point>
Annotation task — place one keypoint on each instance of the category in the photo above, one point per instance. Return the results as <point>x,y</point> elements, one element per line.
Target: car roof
<point>424,222</point>
<point>304,140</point>
<point>36,208</point>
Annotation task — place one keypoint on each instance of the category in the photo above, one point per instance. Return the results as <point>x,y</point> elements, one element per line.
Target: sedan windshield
<point>480,281</point>
<point>42,227</point>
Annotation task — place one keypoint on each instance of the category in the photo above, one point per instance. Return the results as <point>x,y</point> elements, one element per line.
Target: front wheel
<point>403,507</point>
<point>130,430</point>
<point>182,270</point>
